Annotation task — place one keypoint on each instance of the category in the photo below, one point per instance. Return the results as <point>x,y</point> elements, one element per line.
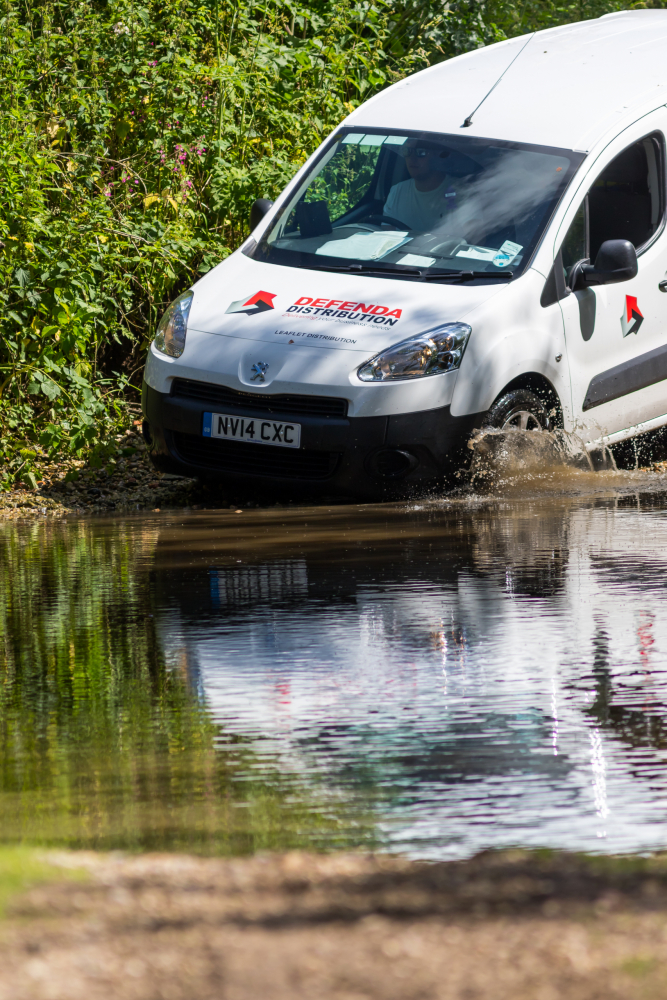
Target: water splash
<point>514,458</point>
<point>519,450</point>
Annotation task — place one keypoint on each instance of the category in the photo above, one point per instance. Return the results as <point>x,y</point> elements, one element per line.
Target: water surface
<point>434,677</point>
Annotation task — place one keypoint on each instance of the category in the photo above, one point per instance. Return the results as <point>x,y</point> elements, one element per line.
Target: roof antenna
<point>468,122</point>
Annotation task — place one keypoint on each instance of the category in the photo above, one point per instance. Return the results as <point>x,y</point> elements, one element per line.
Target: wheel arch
<point>543,389</point>
<point>513,362</point>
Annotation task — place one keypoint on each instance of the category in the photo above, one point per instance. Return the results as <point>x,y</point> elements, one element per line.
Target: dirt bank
<point>127,482</point>
<point>511,926</point>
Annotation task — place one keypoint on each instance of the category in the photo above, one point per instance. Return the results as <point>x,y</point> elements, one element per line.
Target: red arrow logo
<point>257,303</point>
<point>631,308</point>
<point>267,298</point>
<point>633,318</point>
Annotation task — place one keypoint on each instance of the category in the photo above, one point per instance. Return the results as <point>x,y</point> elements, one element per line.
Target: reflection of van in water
<point>487,676</point>
<point>481,243</point>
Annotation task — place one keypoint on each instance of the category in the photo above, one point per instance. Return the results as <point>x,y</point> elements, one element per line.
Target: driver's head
<point>420,160</point>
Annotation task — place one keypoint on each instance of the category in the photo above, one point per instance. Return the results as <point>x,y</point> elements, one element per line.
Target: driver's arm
<point>392,206</point>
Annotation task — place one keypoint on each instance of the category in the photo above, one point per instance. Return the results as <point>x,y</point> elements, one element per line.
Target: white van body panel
<point>326,354</point>
<point>512,334</point>
<point>421,306</point>
<point>228,361</point>
<point>568,86</point>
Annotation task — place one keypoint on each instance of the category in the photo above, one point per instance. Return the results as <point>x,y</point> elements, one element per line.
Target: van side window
<point>575,243</point>
<point>573,249</point>
<point>624,203</point>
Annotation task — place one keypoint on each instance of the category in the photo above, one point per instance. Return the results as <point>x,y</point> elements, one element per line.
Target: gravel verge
<point>505,926</point>
<point>124,484</point>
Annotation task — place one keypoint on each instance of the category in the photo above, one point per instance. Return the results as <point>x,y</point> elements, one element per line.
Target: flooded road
<point>434,677</point>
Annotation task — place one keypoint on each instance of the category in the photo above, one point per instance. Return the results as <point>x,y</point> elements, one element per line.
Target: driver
<point>425,200</point>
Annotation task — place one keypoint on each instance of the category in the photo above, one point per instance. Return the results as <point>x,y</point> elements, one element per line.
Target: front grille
<point>255,459</point>
<point>220,395</point>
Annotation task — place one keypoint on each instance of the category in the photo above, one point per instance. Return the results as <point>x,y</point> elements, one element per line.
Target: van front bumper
<point>372,457</point>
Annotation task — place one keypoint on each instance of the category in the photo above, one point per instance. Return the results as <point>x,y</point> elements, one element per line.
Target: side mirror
<point>616,261</point>
<point>258,211</point>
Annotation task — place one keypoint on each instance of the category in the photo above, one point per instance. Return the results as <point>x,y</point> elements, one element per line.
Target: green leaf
<point>50,389</point>
<point>29,478</point>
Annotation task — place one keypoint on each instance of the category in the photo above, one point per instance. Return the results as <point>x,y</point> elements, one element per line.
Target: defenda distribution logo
<point>257,303</point>
<point>632,318</point>
<point>339,309</point>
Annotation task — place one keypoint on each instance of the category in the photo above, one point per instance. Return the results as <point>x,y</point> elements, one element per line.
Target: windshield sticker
<point>507,253</point>
<point>342,311</point>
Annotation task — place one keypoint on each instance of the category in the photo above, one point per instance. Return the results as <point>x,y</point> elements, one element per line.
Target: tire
<point>518,410</point>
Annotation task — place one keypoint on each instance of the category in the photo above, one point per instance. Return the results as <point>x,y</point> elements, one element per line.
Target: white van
<point>481,243</point>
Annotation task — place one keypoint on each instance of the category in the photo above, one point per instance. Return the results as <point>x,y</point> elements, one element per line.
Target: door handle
<point>662,285</point>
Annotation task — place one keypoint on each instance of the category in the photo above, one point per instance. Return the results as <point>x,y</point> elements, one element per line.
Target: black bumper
<point>365,456</point>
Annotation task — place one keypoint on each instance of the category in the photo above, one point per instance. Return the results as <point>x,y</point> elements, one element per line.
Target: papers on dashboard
<point>416,260</point>
<point>364,246</point>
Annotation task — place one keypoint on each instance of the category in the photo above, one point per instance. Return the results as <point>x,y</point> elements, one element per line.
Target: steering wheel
<point>386,220</point>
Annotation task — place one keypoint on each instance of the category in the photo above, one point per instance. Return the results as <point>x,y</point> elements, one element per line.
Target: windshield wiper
<point>409,272</point>
<point>362,269</point>
<point>463,275</point>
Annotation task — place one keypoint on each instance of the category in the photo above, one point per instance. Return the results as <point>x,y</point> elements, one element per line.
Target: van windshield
<point>420,203</point>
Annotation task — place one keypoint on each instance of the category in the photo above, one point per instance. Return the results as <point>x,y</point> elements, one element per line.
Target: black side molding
<point>632,375</point>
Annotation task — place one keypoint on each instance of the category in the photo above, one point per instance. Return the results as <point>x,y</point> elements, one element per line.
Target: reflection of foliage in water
<point>101,745</point>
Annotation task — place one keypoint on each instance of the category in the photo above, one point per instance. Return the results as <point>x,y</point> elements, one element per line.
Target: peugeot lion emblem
<point>259,370</point>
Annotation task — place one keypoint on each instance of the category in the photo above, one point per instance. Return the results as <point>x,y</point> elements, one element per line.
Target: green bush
<point>133,140</point>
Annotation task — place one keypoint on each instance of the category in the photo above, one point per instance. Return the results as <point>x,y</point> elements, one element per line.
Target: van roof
<point>565,87</point>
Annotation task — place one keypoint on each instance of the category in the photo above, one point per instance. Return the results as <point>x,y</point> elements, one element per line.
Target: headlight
<point>170,336</point>
<point>430,353</point>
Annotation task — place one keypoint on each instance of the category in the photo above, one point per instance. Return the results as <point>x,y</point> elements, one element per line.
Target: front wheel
<point>518,410</point>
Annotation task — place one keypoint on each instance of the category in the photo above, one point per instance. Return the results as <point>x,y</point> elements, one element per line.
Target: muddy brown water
<point>432,677</point>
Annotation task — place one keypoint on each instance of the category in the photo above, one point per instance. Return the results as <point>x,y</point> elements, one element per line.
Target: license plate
<point>254,429</point>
